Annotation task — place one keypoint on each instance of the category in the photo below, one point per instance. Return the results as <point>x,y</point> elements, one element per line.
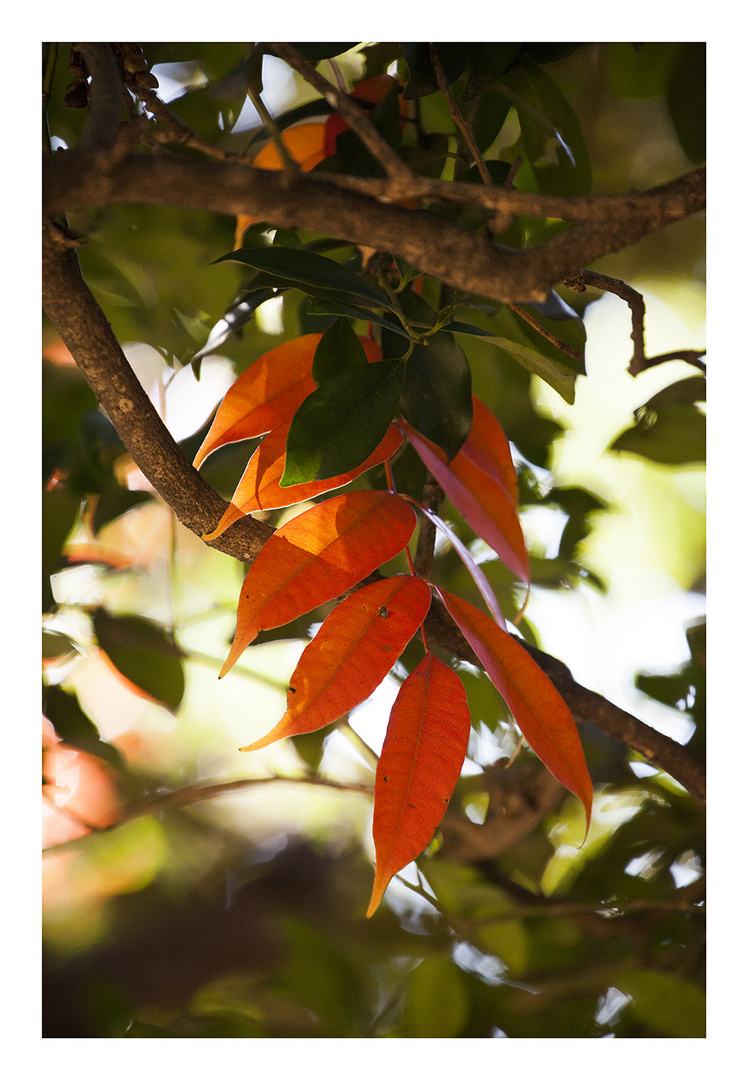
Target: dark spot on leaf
<point>383,612</point>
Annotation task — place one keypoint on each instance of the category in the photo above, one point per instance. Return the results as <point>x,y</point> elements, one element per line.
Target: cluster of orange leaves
<point>329,549</point>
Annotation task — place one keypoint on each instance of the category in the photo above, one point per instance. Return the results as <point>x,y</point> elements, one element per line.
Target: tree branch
<point>83,327</point>
<point>74,180</point>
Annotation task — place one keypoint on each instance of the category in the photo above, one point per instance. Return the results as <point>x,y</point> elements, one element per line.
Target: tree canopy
<point>374,373</point>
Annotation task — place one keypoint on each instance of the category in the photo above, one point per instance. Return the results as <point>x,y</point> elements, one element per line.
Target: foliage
<point>385,409</point>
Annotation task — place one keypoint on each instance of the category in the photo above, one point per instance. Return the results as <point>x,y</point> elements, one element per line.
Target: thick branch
<point>83,327</point>
<point>74,181</point>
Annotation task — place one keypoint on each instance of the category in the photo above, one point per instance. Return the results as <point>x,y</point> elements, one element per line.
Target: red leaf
<point>352,652</point>
<point>268,393</point>
<point>420,764</point>
<point>541,713</point>
<point>488,447</point>
<point>316,557</point>
<point>259,487</point>
<point>484,501</point>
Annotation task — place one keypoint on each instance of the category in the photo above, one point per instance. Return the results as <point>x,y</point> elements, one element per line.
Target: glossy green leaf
<point>339,425</point>
<point>339,350</point>
<point>437,395</point>
<point>310,272</point>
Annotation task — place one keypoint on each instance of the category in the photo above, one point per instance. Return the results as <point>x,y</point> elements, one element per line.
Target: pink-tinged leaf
<point>471,565</point>
<point>421,760</point>
<point>268,393</point>
<point>259,487</point>
<point>488,447</point>
<point>351,653</point>
<point>541,713</point>
<point>484,502</point>
<point>316,557</point>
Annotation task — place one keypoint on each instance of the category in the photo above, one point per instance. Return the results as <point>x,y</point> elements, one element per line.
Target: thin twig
<point>634,299</point>
<point>209,789</point>
<point>457,116</point>
<point>562,345</point>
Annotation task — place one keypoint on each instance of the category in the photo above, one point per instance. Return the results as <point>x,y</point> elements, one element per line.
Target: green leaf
<point>437,393</point>
<point>353,157</point>
<point>686,98</point>
<point>544,112</point>
<point>563,382</point>
<point>141,650</point>
<point>665,1003</point>
<point>74,727</point>
<point>342,422</point>
<point>322,306</point>
<point>422,80</point>
<point>674,434</point>
<point>310,272</point>
<point>339,350</point>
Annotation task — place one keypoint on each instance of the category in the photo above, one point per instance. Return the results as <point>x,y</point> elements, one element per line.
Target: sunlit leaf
<point>420,764</point>
<point>316,557</point>
<point>541,713</point>
<point>482,498</point>
<point>268,393</point>
<point>340,425</point>
<point>351,653</point>
<point>260,489</point>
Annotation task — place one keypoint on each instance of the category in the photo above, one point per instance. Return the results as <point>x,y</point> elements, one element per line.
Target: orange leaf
<point>481,498</point>
<point>541,713</point>
<point>259,487</point>
<point>304,142</point>
<point>268,393</point>
<point>352,652</point>
<point>421,760</point>
<point>316,557</point>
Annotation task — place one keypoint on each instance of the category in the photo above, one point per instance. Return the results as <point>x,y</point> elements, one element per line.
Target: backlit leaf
<point>481,497</point>
<point>420,763</point>
<point>316,557</point>
<point>268,393</point>
<point>539,710</point>
<point>260,489</point>
<point>338,426</point>
<point>351,653</point>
